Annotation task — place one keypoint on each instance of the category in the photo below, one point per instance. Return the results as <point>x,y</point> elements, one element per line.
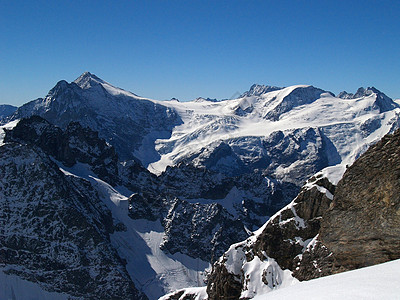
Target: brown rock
<point>362,226</point>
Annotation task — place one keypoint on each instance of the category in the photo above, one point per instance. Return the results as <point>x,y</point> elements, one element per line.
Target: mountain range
<point>139,197</point>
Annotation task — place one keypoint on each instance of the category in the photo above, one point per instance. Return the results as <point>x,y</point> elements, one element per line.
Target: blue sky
<point>187,49</point>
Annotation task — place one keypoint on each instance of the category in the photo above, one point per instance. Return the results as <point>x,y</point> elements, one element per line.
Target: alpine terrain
<point>105,194</point>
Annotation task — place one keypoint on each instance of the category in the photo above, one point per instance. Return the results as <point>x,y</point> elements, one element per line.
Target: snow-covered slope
<point>375,282</point>
<point>347,125</point>
<point>13,287</point>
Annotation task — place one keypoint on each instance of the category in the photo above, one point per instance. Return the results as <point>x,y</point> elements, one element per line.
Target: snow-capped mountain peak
<point>88,80</point>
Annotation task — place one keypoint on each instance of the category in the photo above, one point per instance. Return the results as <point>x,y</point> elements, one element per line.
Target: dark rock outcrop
<point>6,111</point>
<point>222,284</point>
<point>362,226</point>
<point>198,230</point>
<point>55,230</point>
<point>281,237</point>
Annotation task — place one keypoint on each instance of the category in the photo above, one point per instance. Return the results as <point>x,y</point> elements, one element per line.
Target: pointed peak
<point>345,95</point>
<point>361,92</point>
<point>87,80</point>
<point>259,89</point>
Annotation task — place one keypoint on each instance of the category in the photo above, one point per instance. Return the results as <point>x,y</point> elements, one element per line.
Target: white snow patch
<point>205,122</point>
<point>199,293</point>
<point>264,276</point>
<point>376,282</point>
<point>7,126</point>
<point>13,287</point>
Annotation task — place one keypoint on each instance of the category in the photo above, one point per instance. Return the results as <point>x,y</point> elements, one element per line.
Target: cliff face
<point>362,226</point>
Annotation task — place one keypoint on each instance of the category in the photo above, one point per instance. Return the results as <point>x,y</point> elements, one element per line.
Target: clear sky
<point>186,49</point>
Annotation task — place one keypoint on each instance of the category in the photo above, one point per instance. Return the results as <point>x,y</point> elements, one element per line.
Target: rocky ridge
<point>274,247</point>
<point>6,111</point>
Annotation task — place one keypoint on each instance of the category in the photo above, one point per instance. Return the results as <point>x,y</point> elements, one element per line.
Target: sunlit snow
<point>375,282</point>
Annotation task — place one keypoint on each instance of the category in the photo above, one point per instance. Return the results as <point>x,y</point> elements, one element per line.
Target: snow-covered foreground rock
<point>267,259</point>
<point>376,282</point>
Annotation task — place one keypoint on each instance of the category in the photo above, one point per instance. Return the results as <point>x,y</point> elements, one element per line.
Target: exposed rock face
<point>55,231</point>
<point>290,156</point>
<point>259,89</point>
<point>274,247</point>
<point>203,230</point>
<point>285,236</point>
<point>199,230</point>
<point>299,96</point>
<point>6,111</point>
<point>251,197</point>
<point>75,144</point>
<point>345,95</point>
<point>223,284</point>
<point>362,226</point>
